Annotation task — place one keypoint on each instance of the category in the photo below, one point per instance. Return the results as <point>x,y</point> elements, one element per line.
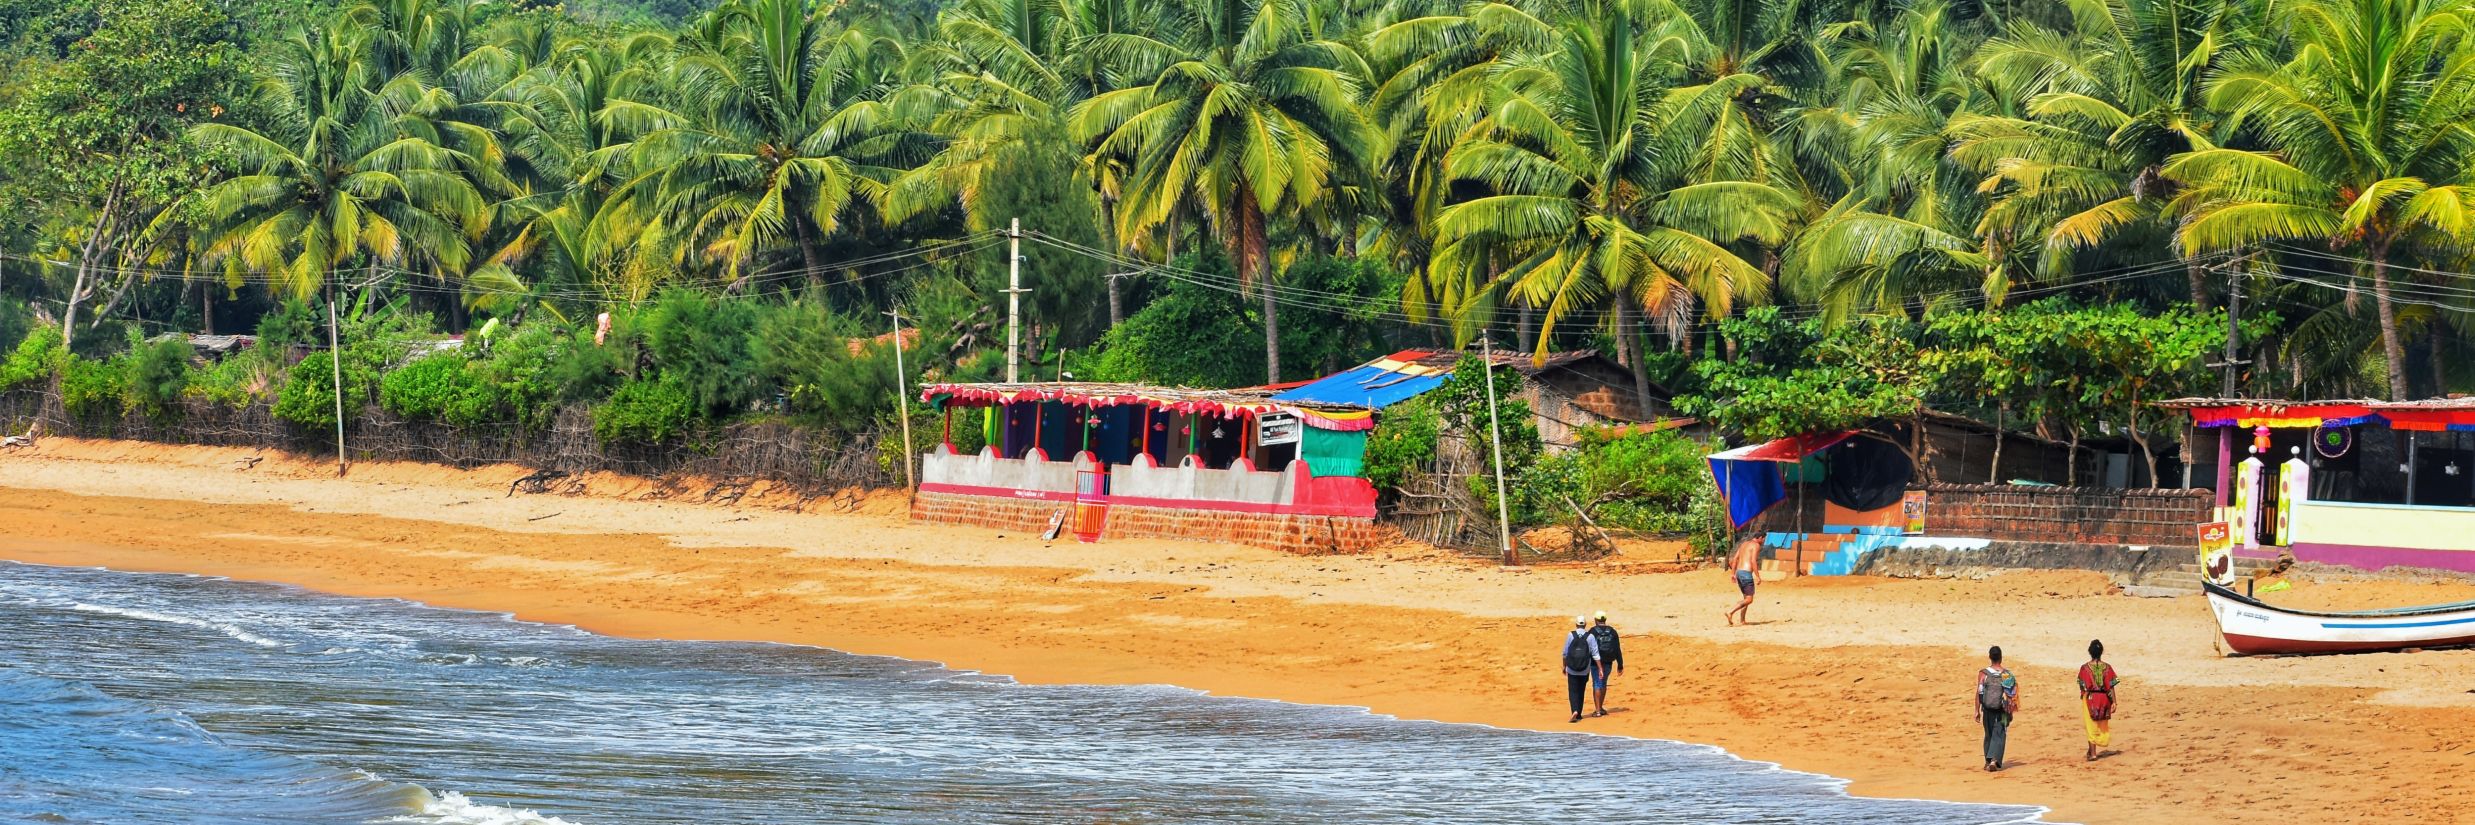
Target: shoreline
<point>1844,679</point>
<point>1838,784</point>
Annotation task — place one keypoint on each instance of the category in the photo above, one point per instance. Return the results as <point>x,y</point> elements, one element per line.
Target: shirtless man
<point>1742,560</point>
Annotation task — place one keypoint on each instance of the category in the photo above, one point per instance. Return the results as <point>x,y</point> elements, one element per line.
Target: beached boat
<point>2253,627</point>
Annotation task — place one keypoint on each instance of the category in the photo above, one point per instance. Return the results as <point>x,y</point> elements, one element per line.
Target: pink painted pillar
<point>2225,466</point>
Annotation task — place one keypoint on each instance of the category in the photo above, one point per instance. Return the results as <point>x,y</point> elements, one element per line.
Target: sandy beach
<point>1856,677</point>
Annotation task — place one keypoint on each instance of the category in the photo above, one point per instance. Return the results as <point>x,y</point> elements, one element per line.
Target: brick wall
<point>1302,534</point>
<point>2079,515</point>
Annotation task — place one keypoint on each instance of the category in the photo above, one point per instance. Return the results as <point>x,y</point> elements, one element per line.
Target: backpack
<point>1990,695</point>
<point>1576,654</point>
<point>1609,649</point>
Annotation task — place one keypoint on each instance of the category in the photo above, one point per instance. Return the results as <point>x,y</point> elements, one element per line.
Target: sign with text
<point>1273,429</point>
<point>1912,505</point>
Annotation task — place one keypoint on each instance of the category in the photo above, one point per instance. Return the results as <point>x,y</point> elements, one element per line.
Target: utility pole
<point>902,397</point>
<point>2234,331</point>
<point>1014,301</point>
<point>1495,444</point>
<point>335,358</point>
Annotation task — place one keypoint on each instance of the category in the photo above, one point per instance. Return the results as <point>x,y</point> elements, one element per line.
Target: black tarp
<point>1866,474</point>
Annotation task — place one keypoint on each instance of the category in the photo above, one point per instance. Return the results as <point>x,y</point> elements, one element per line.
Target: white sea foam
<point>452,808</point>
<point>233,631</point>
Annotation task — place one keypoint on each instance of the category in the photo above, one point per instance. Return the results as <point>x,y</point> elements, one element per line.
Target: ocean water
<point>145,698</point>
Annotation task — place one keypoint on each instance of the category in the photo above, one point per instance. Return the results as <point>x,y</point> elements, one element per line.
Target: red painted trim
<point>1255,508</point>
<point>2262,645</point>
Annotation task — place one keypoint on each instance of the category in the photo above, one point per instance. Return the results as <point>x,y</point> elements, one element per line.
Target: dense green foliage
<point>1801,216</point>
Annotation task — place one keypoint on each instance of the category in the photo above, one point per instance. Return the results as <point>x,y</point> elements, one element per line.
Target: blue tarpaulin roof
<point>1381,383</point>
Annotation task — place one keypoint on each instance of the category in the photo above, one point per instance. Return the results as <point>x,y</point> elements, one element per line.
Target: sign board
<point>1276,428</point>
<point>2217,553</point>
<point>1912,506</point>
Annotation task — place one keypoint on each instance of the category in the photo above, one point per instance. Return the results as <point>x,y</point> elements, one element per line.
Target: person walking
<point>1997,700</point>
<point>1610,662</point>
<point>1580,656</point>
<point>1747,555</point>
<point>2097,684</point>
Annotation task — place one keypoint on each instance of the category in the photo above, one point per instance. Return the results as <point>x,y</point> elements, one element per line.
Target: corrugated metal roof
<point>1382,383</point>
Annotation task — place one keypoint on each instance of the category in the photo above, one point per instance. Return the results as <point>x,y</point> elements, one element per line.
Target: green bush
<point>308,395</point>
<point>158,374</point>
<point>644,412</point>
<point>293,323</point>
<point>441,387</point>
<point>1654,482</point>
<point>700,343</point>
<point>1402,444</point>
<point>34,359</point>
<point>94,390</point>
<point>238,379</point>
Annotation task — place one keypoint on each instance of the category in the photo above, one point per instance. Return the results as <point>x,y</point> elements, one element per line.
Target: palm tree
<point>1243,112</point>
<point>336,172</point>
<point>2078,170</point>
<point>1599,199</point>
<point>2367,124</point>
<point>1908,224</point>
<point>777,128</point>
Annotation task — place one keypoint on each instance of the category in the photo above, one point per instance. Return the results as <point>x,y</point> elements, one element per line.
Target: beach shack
<point>2367,484</point>
<point>1131,460</point>
<point>1823,502</point>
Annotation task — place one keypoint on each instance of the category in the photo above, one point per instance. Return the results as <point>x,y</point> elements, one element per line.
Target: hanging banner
<point>1276,428</point>
<point>2246,520</point>
<point>1912,505</point>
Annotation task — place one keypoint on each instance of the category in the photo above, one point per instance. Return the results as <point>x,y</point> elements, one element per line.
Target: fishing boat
<point>2252,627</point>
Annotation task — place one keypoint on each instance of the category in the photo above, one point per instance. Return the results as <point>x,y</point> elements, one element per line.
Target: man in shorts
<point>1747,555</point>
<point>1610,660</point>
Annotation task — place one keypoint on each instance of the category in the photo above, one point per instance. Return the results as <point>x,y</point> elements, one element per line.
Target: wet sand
<point>1856,677</point>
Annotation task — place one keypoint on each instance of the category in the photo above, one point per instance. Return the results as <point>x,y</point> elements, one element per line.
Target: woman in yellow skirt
<point>2097,684</point>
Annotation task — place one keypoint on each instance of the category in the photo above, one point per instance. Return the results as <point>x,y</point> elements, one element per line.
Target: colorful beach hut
<point>1165,462</point>
<point>2368,484</point>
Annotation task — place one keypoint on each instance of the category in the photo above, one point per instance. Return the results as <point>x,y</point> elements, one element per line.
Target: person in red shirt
<point>2097,686</point>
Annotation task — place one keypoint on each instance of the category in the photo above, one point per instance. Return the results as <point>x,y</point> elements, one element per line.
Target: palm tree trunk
<point>1993,472</point>
<point>2199,285</point>
<point>808,256</point>
<point>1254,265</point>
<point>206,306</point>
<point>1628,350</point>
<point>2391,347</point>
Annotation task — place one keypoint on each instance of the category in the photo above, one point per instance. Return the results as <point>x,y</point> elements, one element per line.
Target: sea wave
<point>232,630</point>
<point>453,808</point>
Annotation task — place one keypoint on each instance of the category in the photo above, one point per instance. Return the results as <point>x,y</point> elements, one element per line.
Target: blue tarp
<point>1748,487</point>
<point>1366,385</point>
<point>1749,477</point>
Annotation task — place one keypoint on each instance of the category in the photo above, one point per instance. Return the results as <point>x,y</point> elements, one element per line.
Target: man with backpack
<point>1580,660</point>
<point>1997,700</point>
<point>1610,661</point>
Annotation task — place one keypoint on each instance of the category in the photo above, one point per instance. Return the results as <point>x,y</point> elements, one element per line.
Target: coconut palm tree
<point>777,126</point>
<point>2078,169</point>
<point>1599,198</point>
<point>1240,110</point>
<point>336,171</point>
<point>2368,146</point>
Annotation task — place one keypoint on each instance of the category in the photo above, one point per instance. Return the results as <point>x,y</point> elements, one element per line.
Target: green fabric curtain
<point>1333,453</point>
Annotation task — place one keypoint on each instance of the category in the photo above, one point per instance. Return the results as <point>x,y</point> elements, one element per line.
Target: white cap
<point>1579,621</point>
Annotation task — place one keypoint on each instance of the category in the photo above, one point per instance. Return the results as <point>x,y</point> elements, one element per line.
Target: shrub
<point>644,412</point>
<point>440,387</point>
<point>1402,444</point>
<point>93,390</point>
<point>237,380</point>
<point>308,395</point>
<point>35,358</point>
<point>292,323</point>
<point>700,343</point>
<point>158,374</point>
